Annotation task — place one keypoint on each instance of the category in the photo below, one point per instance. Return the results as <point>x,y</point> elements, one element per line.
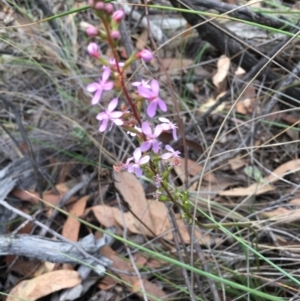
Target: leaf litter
<point>153,217</point>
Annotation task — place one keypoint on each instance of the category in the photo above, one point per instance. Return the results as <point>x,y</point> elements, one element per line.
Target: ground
<point>74,226</point>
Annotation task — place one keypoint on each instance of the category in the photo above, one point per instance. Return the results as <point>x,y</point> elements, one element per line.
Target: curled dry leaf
<point>72,225</point>
<point>153,214</point>
<point>195,169</point>
<point>219,78</point>
<point>134,283</point>
<point>260,188</point>
<point>285,215</point>
<point>44,285</point>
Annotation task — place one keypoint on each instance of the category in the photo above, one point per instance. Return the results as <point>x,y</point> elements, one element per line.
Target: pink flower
<point>92,31</point>
<point>171,154</point>
<point>115,35</point>
<point>145,55</point>
<point>110,115</point>
<point>109,8</point>
<point>103,85</point>
<point>93,50</point>
<point>168,125</point>
<point>113,64</point>
<point>118,15</point>
<point>143,83</point>
<point>152,96</point>
<point>99,5</point>
<point>138,161</point>
<point>151,137</point>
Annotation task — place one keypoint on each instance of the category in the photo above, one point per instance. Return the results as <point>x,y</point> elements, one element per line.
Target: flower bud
<point>99,6</point>
<point>163,198</point>
<point>93,50</point>
<point>118,16</point>
<point>91,3</point>
<point>92,31</point>
<point>145,55</point>
<point>115,35</point>
<point>109,8</point>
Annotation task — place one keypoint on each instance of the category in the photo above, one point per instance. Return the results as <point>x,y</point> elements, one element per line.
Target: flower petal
<point>130,168</point>
<point>166,156</point>
<point>96,98</point>
<point>144,160</point>
<point>105,74</point>
<point>146,93</point>
<point>137,154</point>
<point>138,172</point>
<point>92,87</point>
<point>162,105</point>
<point>103,125</point>
<point>112,105</point>
<point>145,146</point>
<point>157,131</point>
<point>101,116</point>
<point>117,121</point>
<point>169,148</point>
<point>107,86</point>
<point>155,87</point>
<point>151,109</point>
<point>146,129</point>
<point>175,134</point>
<point>116,114</point>
<point>163,119</point>
<point>155,146</point>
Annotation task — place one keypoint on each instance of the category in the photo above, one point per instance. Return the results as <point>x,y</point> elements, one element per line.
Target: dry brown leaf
<point>245,106</point>
<point>219,79</point>
<point>72,225</point>
<point>283,215</point>
<point>236,163</point>
<point>254,189</point>
<point>142,40</point>
<point>195,169</point>
<point>153,214</point>
<point>247,101</point>
<point>133,281</point>
<point>44,285</point>
<point>133,193</point>
<point>106,215</point>
<point>45,267</point>
<point>176,64</point>
<point>260,188</point>
<point>210,102</point>
<point>295,202</point>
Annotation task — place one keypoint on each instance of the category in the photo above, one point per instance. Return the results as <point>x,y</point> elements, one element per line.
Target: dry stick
<point>77,246</point>
<point>285,83</point>
<point>36,168</point>
<point>243,13</point>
